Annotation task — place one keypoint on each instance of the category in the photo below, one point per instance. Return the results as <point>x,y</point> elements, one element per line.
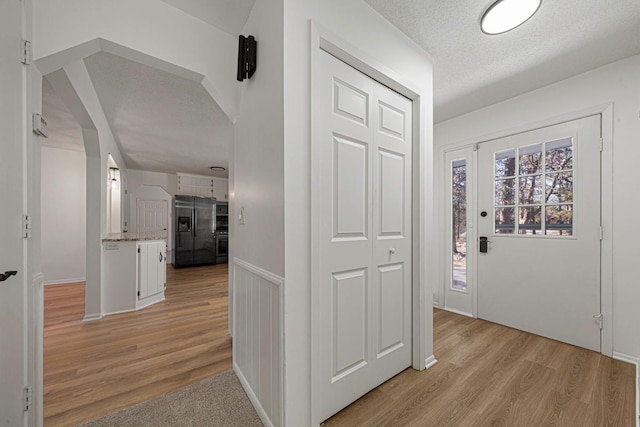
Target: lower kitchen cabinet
<point>152,268</point>
<point>134,276</point>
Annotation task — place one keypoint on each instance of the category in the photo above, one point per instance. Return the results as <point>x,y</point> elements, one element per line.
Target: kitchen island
<point>135,271</point>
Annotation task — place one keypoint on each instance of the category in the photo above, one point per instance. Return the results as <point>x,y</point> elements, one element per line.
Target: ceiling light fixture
<point>217,168</point>
<point>505,15</point>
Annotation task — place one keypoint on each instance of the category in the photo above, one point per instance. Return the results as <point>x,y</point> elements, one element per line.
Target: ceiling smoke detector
<point>505,15</point>
<point>218,168</point>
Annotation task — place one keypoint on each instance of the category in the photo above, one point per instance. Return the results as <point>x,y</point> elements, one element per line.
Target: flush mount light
<point>217,168</point>
<point>505,15</point>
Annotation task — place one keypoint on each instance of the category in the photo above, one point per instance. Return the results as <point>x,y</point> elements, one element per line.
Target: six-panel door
<point>364,255</point>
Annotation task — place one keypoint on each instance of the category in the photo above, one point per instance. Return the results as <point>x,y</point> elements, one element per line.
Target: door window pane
<point>559,155</point>
<point>506,163</point>
<point>529,221</point>
<point>459,229</point>
<point>559,187</point>
<point>559,220</point>
<point>530,159</point>
<point>531,190</point>
<point>506,191</point>
<point>505,220</point>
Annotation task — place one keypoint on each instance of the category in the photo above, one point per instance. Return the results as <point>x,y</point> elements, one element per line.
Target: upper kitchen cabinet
<point>203,186</point>
<point>221,189</point>
<point>195,185</point>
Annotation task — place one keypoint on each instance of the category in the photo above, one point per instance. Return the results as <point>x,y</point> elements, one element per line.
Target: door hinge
<point>27,398</point>
<point>601,144</point>
<point>26,226</point>
<point>138,293</point>
<point>599,319</point>
<point>601,233</point>
<point>26,52</point>
<point>138,250</point>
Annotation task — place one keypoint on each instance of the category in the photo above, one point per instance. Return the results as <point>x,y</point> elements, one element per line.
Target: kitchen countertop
<point>133,237</point>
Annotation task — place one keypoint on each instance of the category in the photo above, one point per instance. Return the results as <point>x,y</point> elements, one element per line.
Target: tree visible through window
<point>459,228</point>
<point>534,189</point>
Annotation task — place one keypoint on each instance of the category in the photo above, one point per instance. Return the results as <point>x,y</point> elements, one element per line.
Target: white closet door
<point>364,163</point>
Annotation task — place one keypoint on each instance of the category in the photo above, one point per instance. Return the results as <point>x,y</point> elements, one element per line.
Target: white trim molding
<point>634,361</point>
<point>252,396</point>
<point>65,281</point>
<point>430,361</point>
<point>92,317</point>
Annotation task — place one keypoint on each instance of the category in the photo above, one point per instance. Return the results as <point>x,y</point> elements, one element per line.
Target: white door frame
<point>606,171</point>
<point>422,186</point>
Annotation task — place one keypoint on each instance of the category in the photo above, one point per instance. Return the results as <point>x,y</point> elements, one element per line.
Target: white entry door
<point>539,207</point>
<point>12,290</point>
<point>152,215</point>
<point>364,142</point>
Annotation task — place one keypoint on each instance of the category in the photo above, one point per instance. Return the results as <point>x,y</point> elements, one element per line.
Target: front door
<point>12,287</point>
<point>364,143</point>
<point>539,207</point>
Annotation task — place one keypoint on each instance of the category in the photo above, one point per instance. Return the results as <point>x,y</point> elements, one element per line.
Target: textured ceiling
<point>64,131</point>
<point>163,123</point>
<point>473,70</point>
<point>227,15</point>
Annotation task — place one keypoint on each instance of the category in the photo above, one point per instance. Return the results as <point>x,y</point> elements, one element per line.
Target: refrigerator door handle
<point>195,221</point>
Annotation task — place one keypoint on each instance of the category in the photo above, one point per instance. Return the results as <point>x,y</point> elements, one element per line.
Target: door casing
<point>422,332</point>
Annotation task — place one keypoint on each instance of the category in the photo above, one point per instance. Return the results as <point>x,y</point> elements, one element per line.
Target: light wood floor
<point>487,374</point>
<point>94,368</point>
<point>491,375</point>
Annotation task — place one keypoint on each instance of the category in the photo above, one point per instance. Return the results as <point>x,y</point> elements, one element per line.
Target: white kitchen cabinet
<point>152,268</point>
<point>195,185</point>
<point>221,189</point>
<point>204,186</point>
<point>134,272</point>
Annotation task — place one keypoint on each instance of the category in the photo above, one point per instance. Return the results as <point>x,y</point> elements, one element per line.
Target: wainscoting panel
<point>257,338</point>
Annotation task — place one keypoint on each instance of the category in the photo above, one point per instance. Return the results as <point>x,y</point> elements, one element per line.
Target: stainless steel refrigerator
<point>195,226</point>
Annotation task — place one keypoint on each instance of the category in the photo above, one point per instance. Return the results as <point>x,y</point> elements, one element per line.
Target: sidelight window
<point>534,189</point>
<point>459,228</point>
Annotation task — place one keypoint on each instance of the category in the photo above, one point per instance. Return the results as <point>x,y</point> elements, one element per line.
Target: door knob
<point>392,251</point>
<point>4,276</point>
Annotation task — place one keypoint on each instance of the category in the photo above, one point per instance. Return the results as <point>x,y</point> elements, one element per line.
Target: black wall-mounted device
<point>246,57</point>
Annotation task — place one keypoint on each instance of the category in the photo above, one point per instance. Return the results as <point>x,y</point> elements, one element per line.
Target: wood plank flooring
<point>491,375</point>
<point>486,375</point>
<point>94,368</point>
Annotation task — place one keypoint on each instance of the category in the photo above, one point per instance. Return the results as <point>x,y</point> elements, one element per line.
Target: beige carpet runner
<point>215,401</point>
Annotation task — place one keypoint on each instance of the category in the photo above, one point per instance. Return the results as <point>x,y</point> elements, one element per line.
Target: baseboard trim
<point>65,281</point>
<point>634,361</point>
<point>453,310</point>
<point>430,361</point>
<point>92,317</point>
<point>252,396</point>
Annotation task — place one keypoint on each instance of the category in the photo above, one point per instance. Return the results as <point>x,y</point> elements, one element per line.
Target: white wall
<point>63,201</point>
<point>259,147</point>
<point>73,85</point>
<point>256,183</point>
<point>374,37</point>
<point>617,83</point>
